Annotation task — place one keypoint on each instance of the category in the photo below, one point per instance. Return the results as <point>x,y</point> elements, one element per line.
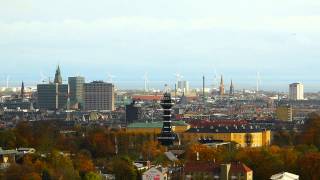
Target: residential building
<point>209,170</point>
<point>284,176</point>
<point>7,157</point>
<point>284,113</point>
<point>155,174</point>
<point>183,87</point>
<point>296,91</point>
<point>98,95</point>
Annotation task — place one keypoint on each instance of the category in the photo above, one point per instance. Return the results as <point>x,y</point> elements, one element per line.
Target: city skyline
<point>155,82</point>
<point>127,39</point>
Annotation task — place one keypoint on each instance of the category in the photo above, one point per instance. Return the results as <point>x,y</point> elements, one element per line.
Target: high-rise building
<point>296,91</point>
<point>53,96</point>
<point>76,87</point>
<point>231,92</point>
<point>284,113</point>
<point>183,86</point>
<point>221,87</point>
<point>98,95</point>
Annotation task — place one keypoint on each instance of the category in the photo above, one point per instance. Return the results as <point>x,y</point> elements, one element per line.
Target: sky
<point>280,39</point>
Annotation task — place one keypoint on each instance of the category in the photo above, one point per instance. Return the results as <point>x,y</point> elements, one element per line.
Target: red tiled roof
<point>194,123</point>
<point>201,167</point>
<point>147,97</point>
<point>238,167</point>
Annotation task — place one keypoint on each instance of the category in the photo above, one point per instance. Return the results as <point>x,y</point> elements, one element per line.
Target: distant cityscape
<point>175,118</point>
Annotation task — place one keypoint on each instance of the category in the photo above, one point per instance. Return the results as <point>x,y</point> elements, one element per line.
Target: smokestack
<point>203,86</point>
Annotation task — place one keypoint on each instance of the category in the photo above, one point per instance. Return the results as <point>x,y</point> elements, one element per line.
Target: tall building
<point>167,136</point>
<point>76,87</point>
<point>296,91</point>
<point>284,113</point>
<point>98,95</point>
<point>231,92</point>
<point>221,87</point>
<point>183,86</point>
<point>53,96</point>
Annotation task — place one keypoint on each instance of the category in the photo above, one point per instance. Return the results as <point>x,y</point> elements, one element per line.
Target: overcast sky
<point>126,38</point>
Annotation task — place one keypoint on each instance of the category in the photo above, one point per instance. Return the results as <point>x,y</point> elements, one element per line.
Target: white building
<point>155,174</point>
<point>296,91</point>
<point>285,176</point>
<point>183,86</point>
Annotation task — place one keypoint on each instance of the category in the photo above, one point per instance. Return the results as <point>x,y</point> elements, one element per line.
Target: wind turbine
<point>7,81</point>
<point>110,78</point>
<point>43,77</point>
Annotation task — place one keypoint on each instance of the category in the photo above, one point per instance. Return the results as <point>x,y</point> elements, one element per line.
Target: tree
<point>92,176</point>
<point>124,169</point>
<point>309,166</point>
<point>311,133</point>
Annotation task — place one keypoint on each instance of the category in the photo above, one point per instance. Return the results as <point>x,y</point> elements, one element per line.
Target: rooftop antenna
<point>203,88</point>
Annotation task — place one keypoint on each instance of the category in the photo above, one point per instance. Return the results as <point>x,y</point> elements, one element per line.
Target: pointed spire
<point>221,88</point>
<point>57,77</point>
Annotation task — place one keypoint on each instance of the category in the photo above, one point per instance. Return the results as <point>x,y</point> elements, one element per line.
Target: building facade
<point>76,87</point>
<point>243,135</point>
<point>52,96</point>
<point>284,113</point>
<point>183,87</point>
<point>296,91</point>
<point>208,170</point>
<point>98,95</point>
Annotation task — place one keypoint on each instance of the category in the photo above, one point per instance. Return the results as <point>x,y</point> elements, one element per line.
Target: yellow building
<point>284,113</point>
<point>156,127</point>
<point>245,136</point>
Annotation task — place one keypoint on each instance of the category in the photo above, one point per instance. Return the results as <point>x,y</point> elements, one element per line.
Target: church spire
<point>57,77</point>
<point>221,88</point>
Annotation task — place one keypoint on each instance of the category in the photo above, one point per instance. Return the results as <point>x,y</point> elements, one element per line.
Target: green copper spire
<point>57,77</point>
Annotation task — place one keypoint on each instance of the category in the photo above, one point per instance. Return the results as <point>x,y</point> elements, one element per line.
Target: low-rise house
<point>155,174</point>
<point>284,176</point>
<point>7,157</point>
<point>208,170</point>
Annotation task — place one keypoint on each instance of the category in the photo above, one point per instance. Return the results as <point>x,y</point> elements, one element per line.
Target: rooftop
<point>157,124</point>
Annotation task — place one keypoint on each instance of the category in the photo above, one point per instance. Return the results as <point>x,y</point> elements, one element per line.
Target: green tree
<point>92,176</point>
